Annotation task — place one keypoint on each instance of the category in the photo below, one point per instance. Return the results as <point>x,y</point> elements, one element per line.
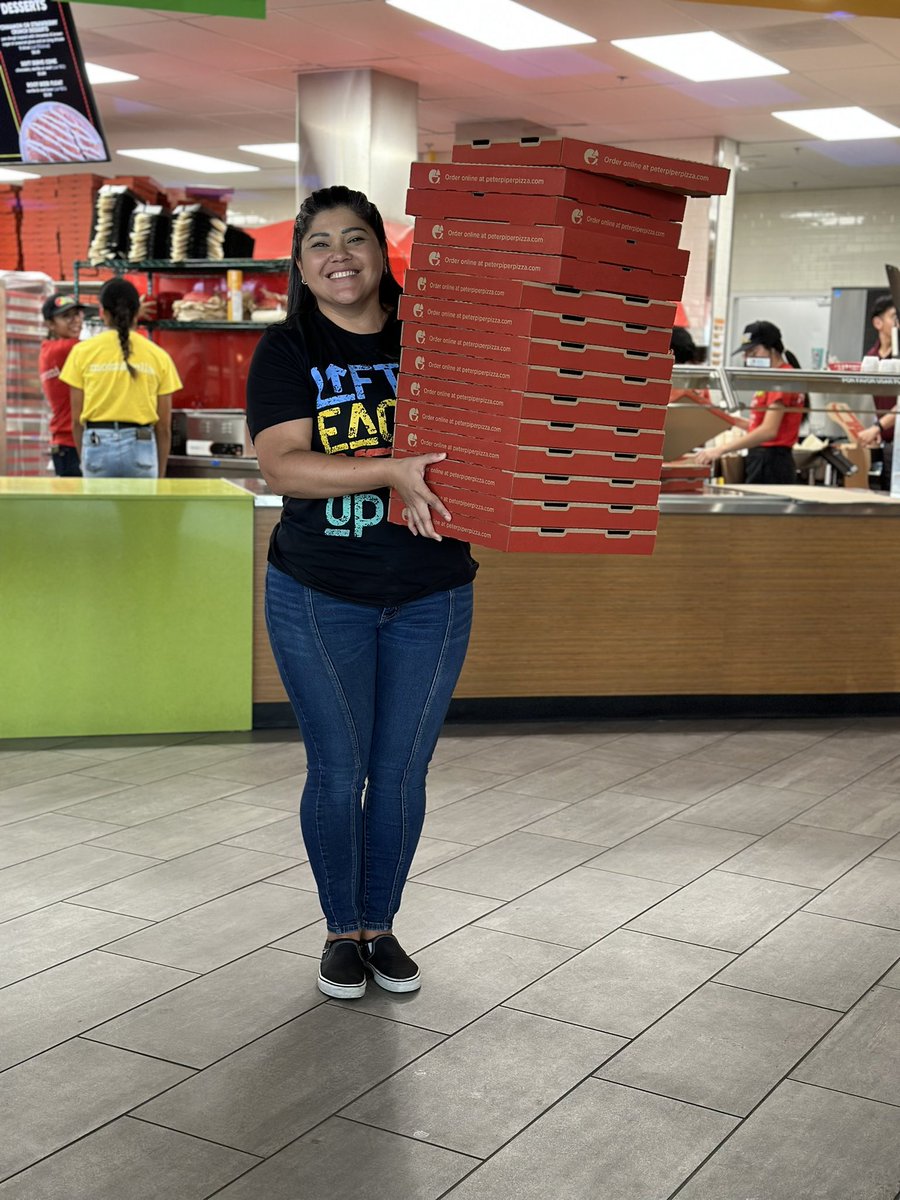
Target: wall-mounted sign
<point>854,8</point>
<point>49,114</point>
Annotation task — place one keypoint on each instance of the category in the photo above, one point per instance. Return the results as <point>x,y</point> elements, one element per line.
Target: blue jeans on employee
<point>128,453</point>
<point>370,688</point>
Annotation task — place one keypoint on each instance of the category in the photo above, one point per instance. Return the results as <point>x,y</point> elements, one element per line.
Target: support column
<point>721,229</point>
<point>358,128</point>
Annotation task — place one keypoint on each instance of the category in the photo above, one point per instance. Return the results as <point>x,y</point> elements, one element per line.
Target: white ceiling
<point>208,84</point>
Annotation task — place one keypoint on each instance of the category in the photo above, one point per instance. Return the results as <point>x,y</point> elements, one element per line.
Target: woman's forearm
<point>312,475</point>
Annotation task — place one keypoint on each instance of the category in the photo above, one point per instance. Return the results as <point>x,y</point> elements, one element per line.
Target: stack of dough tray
<point>112,220</point>
<point>150,233</point>
<point>198,233</point>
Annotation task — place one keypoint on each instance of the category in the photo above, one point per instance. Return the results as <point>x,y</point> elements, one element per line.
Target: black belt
<point>115,425</point>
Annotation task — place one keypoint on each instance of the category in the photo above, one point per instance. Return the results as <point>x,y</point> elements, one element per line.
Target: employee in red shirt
<point>775,417</point>
<point>884,318</point>
<point>64,319</point>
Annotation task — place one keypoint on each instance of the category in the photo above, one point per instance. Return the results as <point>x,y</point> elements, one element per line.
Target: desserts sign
<point>49,115</point>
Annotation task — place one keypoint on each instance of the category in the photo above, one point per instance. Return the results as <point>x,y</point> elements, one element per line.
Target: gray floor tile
<point>720,1048</point>
<point>265,1095</point>
<point>861,1055</point>
<point>162,764</point>
<point>64,1093</point>
<point>265,764</point>
<point>45,833</point>
<point>649,1144</point>
<point>623,984</point>
<point>859,808</point>
<point>865,742</point>
<point>431,853</point>
<point>869,893</point>
<point>218,1013</point>
<point>606,819</point>
<point>673,851</point>
<point>464,976</point>
<point>577,909</point>
<point>350,1156</point>
<point>665,741</point>
<point>180,833</point>
<point>281,793</point>
<point>757,748</point>
<point>130,1159</point>
<point>887,775</point>
<point>171,887</point>
<point>890,849</point>
<point>62,874</point>
<point>37,768</point>
<point>684,781</point>
<point>749,807</point>
<point>892,979</point>
<point>455,745</point>
<point>803,854</point>
<point>520,756</point>
<point>480,1088</point>
<point>426,915</point>
<point>813,771</point>
<point>150,801</point>
<point>108,747</point>
<point>282,837</point>
<point>806,1142</point>
<point>55,934</point>
<point>43,1010</point>
<point>222,930</point>
<point>48,795</point>
<point>449,782</point>
<point>729,912</point>
<point>298,876</point>
<point>576,778</point>
<point>510,866</point>
<point>487,816</point>
<point>816,960</point>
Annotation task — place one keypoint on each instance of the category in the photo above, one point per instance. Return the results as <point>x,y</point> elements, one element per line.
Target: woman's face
<point>341,260</point>
<point>68,325</point>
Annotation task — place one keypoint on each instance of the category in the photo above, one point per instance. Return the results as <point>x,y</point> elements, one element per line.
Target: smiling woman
<point>369,621</point>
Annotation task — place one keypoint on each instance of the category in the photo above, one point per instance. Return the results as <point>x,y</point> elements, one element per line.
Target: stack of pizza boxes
<point>538,308</point>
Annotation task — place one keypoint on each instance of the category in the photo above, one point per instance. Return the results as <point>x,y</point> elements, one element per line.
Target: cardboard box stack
<point>57,210</point>
<point>10,228</point>
<point>541,294</point>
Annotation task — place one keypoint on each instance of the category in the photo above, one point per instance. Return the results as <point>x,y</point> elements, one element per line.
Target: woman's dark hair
<point>682,345</point>
<point>791,357</point>
<point>300,299</point>
<point>122,301</point>
<point>881,306</point>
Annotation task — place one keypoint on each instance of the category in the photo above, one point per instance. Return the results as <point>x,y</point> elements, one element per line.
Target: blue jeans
<point>370,688</point>
<point>119,454</point>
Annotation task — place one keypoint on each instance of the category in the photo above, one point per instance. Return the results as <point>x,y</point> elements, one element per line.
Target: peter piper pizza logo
<point>415,388</point>
<point>437,232</point>
<point>412,439</point>
<point>577,216</point>
<point>420,337</point>
<point>422,283</point>
<point>591,157</point>
<point>420,362</point>
<point>418,310</point>
<point>434,258</point>
<point>434,175</point>
<point>413,414</point>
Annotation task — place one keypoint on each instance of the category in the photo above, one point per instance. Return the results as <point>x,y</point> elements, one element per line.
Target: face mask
<point>757,362</point>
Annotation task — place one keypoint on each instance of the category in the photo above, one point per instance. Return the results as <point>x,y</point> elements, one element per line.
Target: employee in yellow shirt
<point>121,389</point>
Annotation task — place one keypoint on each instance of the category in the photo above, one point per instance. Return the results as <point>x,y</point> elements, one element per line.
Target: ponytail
<point>792,358</point>
<point>122,301</point>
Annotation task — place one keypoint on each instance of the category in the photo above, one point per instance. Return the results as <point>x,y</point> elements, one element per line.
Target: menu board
<point>49,114</point>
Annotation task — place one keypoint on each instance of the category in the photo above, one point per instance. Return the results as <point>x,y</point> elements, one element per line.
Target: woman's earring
<point>303,281</point>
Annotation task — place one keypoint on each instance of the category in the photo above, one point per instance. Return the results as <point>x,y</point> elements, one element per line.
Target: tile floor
<point>660,959</point>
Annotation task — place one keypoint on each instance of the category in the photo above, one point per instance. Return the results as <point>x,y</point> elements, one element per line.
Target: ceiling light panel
<point>503,24</point>
<point>98,74</point>
<point>9,176</point>
<point>839,124</point>
<point>286,151</point>
<point>186,161</point>
<point>701,57</point>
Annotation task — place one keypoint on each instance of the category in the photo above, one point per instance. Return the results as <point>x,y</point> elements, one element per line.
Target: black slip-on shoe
<point>341,971</point>
<point>390,965</point>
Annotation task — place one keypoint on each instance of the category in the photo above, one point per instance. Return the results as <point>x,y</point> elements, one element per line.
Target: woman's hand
<point>708,455</point>
<point>408,481</point>
<point>870,436</point>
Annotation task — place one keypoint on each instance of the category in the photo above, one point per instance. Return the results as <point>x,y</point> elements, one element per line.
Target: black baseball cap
<point>58,306</point>
<point>760,333</point>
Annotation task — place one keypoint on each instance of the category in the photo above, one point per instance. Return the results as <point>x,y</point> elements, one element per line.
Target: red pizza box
<point>547,268</point>
<point>549,181</point>
<point>522,322</point>
<point>575,489</point>
<point>653,170</point>
<point>564,435</point>
<point>533,514</point>
<point>547,379</point>
<point>540,210</point>
<point>532,460</point>
<point>551,239</point>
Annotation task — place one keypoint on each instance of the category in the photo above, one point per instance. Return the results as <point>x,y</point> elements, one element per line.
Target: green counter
<point>125,606</point>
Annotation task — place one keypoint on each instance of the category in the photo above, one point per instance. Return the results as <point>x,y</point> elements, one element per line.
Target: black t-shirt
<point>347,384</point>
